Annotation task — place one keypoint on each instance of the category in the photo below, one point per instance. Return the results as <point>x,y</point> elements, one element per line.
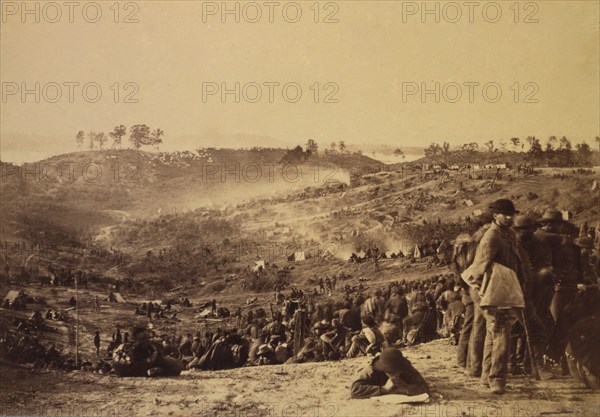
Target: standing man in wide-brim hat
<point>539,290</point>
<point>566,259</point>
<point>498,245</point>
<point>539,254</point>
<point>589,261</point>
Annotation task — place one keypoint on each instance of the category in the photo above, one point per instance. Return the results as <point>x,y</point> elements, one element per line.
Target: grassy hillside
<point>69,194</point>
<point>211,250</point>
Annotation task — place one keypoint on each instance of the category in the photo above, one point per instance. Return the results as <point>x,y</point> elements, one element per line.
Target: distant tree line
<point>556,152</point>
<point>139,135</point>
<point>312,147</point>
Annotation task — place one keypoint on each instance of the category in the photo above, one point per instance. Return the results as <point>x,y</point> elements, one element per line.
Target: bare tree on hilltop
<point>565,148</point>
<point>92,139</point>
<point>515,142</point>
<point>80,138</point>
<point>445,148</point>
<point>156,137</point>
<point>564,144</point>
<point>101,139</point>
<point>551,143</point>
<point>433,150</point>
<point>470,147</point>
<point>584,152</point>
<point>311,146</point>
<point>535,147</point>
<point>296,155</point>
<point>140,136</point>
<point>342,146</point>
<point>117,134</point>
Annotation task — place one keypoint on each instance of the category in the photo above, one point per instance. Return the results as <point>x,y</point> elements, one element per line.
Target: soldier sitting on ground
<point>141,357</point>
<point>389,373</point>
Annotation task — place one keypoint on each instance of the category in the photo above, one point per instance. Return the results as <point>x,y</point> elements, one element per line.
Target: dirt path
<point>307,390</point>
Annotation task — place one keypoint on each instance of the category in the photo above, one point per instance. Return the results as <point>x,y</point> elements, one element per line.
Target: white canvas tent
<point>204,314</point>
<point>13,295</point>
<point>417,254</point>
<point>116,297</point>
<point>299,256</point>
<point>258,265</point>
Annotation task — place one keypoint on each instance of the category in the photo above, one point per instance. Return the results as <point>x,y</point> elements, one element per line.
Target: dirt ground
<point>307,390</point>
<point>300,390</point>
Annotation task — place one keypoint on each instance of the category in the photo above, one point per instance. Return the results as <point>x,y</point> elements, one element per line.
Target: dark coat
<point>369,382</point>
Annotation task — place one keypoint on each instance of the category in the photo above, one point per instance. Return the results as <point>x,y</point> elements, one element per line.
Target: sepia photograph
<point>309,208</point>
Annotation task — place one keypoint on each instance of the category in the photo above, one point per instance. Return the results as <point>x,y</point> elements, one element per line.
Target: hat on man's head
<point>369,320</point>
<point>503,206</point>
<point>523,221</point>
<point>584,242</point>
<point>454,296</point>
<point>390,361</point>
<point>551,216</point>
<point>138,331</point>
<point>419,306</point>
<point>263,349</point>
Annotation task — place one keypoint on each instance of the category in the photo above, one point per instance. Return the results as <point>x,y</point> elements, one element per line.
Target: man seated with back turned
<point>389,373</point>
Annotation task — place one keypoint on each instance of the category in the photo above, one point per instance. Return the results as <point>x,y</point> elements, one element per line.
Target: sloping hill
<point>93,188</point>
<point>184,203</point>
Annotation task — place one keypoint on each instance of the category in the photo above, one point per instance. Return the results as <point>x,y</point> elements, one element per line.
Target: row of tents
<point>299,256</point>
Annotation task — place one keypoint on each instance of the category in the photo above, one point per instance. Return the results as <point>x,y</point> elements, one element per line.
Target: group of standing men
<point>557,274</point>
<point>327,285</point>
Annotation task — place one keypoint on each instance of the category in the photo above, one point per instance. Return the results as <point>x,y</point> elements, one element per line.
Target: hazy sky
<point>375,51</point>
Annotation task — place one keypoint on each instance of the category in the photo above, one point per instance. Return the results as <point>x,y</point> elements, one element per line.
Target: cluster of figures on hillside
<point>523,298</point>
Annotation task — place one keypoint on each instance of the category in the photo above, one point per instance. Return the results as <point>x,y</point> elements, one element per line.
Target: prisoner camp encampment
<point>207,312</point>
<point>258,266</point>
<point>14,295</point>
<point>297,256</point>
<point>417,254</point>
<point>116,297</point>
